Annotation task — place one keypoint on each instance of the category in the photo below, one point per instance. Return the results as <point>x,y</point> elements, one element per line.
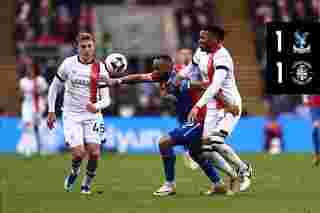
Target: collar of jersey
<point>91,62</point>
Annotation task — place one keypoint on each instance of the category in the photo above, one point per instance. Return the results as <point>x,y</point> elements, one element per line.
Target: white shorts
<point>79,132</point>
<point>217,120</point>
<point>28,114</point>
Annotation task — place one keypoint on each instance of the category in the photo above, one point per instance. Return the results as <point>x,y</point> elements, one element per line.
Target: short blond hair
<point>84,36</point>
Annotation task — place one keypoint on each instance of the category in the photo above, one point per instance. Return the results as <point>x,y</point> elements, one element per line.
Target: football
<point>116,63</point>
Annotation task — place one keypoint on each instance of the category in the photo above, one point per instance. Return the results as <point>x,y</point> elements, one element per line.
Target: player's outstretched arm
<point>139,78</point>
<point>129,79</point>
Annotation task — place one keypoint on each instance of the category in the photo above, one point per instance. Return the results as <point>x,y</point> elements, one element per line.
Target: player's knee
<point>78,153</point>
<point>206,150</point>
<point>95,154</point>
<point>165,148</point>
<point>215,143</point>
<point>164,142</point>
<point>217,137</point>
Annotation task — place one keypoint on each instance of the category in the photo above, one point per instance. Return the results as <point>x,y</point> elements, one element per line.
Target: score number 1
<point>279,48</point>
<point>279,66</point>
<point>279,40</point>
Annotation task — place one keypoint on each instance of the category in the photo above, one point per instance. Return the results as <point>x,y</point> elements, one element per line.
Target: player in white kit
<point>216,66</point>
<point>33,86</point>
<point>81,75</point>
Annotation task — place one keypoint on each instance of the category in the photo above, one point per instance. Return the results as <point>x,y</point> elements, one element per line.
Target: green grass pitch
<point>286,184</point>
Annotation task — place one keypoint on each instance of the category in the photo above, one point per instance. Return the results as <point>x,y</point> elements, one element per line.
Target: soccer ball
<point>116,63</point>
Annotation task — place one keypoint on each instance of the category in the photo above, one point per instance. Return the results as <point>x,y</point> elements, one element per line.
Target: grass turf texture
<point>124,184</point>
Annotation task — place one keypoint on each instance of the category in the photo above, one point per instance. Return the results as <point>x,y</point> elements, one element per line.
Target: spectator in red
<point>274,143</point>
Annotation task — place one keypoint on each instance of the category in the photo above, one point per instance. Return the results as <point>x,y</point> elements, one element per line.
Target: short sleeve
<point>222,61</point>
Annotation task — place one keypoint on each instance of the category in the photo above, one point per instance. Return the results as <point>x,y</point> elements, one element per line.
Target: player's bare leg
<point>93,151</point>
<point>77,154</point>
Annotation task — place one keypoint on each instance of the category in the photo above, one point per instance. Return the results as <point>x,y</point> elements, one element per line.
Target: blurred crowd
<point>45,32</point>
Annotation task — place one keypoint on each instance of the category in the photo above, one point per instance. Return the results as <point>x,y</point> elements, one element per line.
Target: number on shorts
<point>102,129</point>
<point>98,127</point>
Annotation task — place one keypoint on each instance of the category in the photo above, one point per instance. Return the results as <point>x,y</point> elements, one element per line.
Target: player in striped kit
<point>313,101</point>
<point>81,75</point>
<point>216,66</point>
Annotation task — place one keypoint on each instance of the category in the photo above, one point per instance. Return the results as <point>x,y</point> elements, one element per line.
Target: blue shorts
<point>315,113</point>
<point>187,134</point>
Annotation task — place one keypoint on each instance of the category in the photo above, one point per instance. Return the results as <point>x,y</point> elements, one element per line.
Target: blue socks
<point>169,161</point>
<point>206,166</point>
<point>316,139</point>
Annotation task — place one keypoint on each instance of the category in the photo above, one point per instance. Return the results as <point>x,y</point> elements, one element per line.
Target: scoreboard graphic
<point>293,58</point>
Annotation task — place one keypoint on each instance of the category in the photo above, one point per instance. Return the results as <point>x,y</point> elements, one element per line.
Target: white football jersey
<point>221,58</point>
<point>77,86</point>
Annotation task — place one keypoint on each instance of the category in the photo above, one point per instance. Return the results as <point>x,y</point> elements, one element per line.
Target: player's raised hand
<point>193,114</point>
<point>51,120</point>
<point>91,108</point>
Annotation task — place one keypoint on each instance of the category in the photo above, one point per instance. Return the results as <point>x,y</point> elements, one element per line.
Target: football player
<point>80,74</point>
